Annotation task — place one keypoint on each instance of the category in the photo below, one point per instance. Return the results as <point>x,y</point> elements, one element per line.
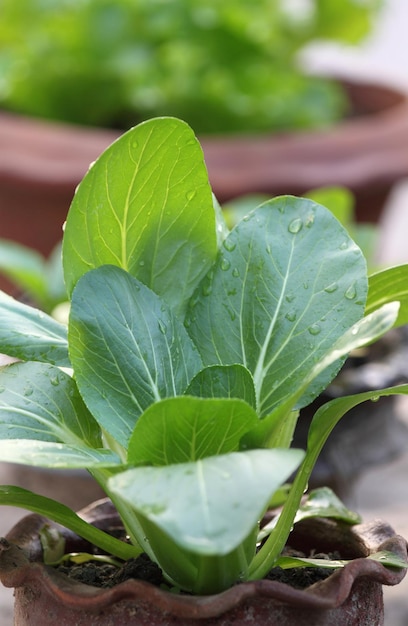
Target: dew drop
<point>235,272</point>
<point>162,327</point>
<point>375,398</point>
<point>295,226</point>
<point>187,322</point>
<point>28,391</point>
<point>344,245</point>
<point>314,329</point>
<point>351,292</point>
<point>225,265</point>
<point>306,285</point>
<point>232,292</point>
<point>207,289</point>
<point>331,288</point>
<point>291,316</point>
<point>141,263</point>
<point>229,244</point>
<point>268,249</point>
<point>54,380</point>
<point>135,145</point>
<point>289,297</point>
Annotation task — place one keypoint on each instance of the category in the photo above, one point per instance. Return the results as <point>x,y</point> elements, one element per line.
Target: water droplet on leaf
<point>314,329</point>
<point>331,288</point>
<point>225,265</point>
<point>291,316</point>
<point>28,391</point>
<point>190,194</point>
<point>289,297</point>
<point>162,327</point>
<point>235,272</point>
<point>351,292</point>
<point>295,226</point>
<point>229,244</point>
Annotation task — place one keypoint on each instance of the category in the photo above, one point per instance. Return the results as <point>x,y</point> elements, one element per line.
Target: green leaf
<point>389,559</point>
<point>127,349</point>
<point>145,206</point>
<point>178,430</point>
<point>208,507</point>
<point>224,381</point>
<point>30,334</point>
<point>55,455</point>
<point>292,562</point>
<point>389,285</point>
<point>39,401</point>
<point>271,306</point>
<point>323,502</point>
<point>320,502</point>
<point>61,514</point>
<point>386,558</point>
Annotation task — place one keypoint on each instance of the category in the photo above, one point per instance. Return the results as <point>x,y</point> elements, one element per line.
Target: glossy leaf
<point>146,206</point>
<point>389,285</point>
<point>127,348</point>
<point>30,334</point>
<point>280,295</point>
<point>178,430</point>
<point>208,507</point>
<point>224,381</point>
<point>39,401</point>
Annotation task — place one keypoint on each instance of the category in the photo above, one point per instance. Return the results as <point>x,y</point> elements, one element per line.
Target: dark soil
<point>142,568</point>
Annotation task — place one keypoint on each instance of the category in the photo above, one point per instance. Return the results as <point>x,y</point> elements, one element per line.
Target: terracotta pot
<point>41,163</point>
<point>350,596</point>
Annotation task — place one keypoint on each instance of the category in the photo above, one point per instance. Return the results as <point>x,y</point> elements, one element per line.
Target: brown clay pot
<point>349,597</point>
<point>41,163</point>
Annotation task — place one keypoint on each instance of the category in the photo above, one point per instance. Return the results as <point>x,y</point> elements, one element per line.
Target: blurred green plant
<point>36,278</point>
<point>221,66</point>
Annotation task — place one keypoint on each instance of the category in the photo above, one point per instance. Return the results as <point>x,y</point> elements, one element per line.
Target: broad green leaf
<point>178,430</point>
<point>146,206</point>
<point>61,514</point>
<point>366,330</point>
<point>39,401</point>
<point>271,306</point>
<point>386,286</point>
<point>127,349</point>
<point>208,507</point>
<point>55,455</point>
<point>30,334</point>
<point>223,381</point>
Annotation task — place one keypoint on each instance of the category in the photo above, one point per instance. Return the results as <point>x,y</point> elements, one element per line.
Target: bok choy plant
<point>189,351</point>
